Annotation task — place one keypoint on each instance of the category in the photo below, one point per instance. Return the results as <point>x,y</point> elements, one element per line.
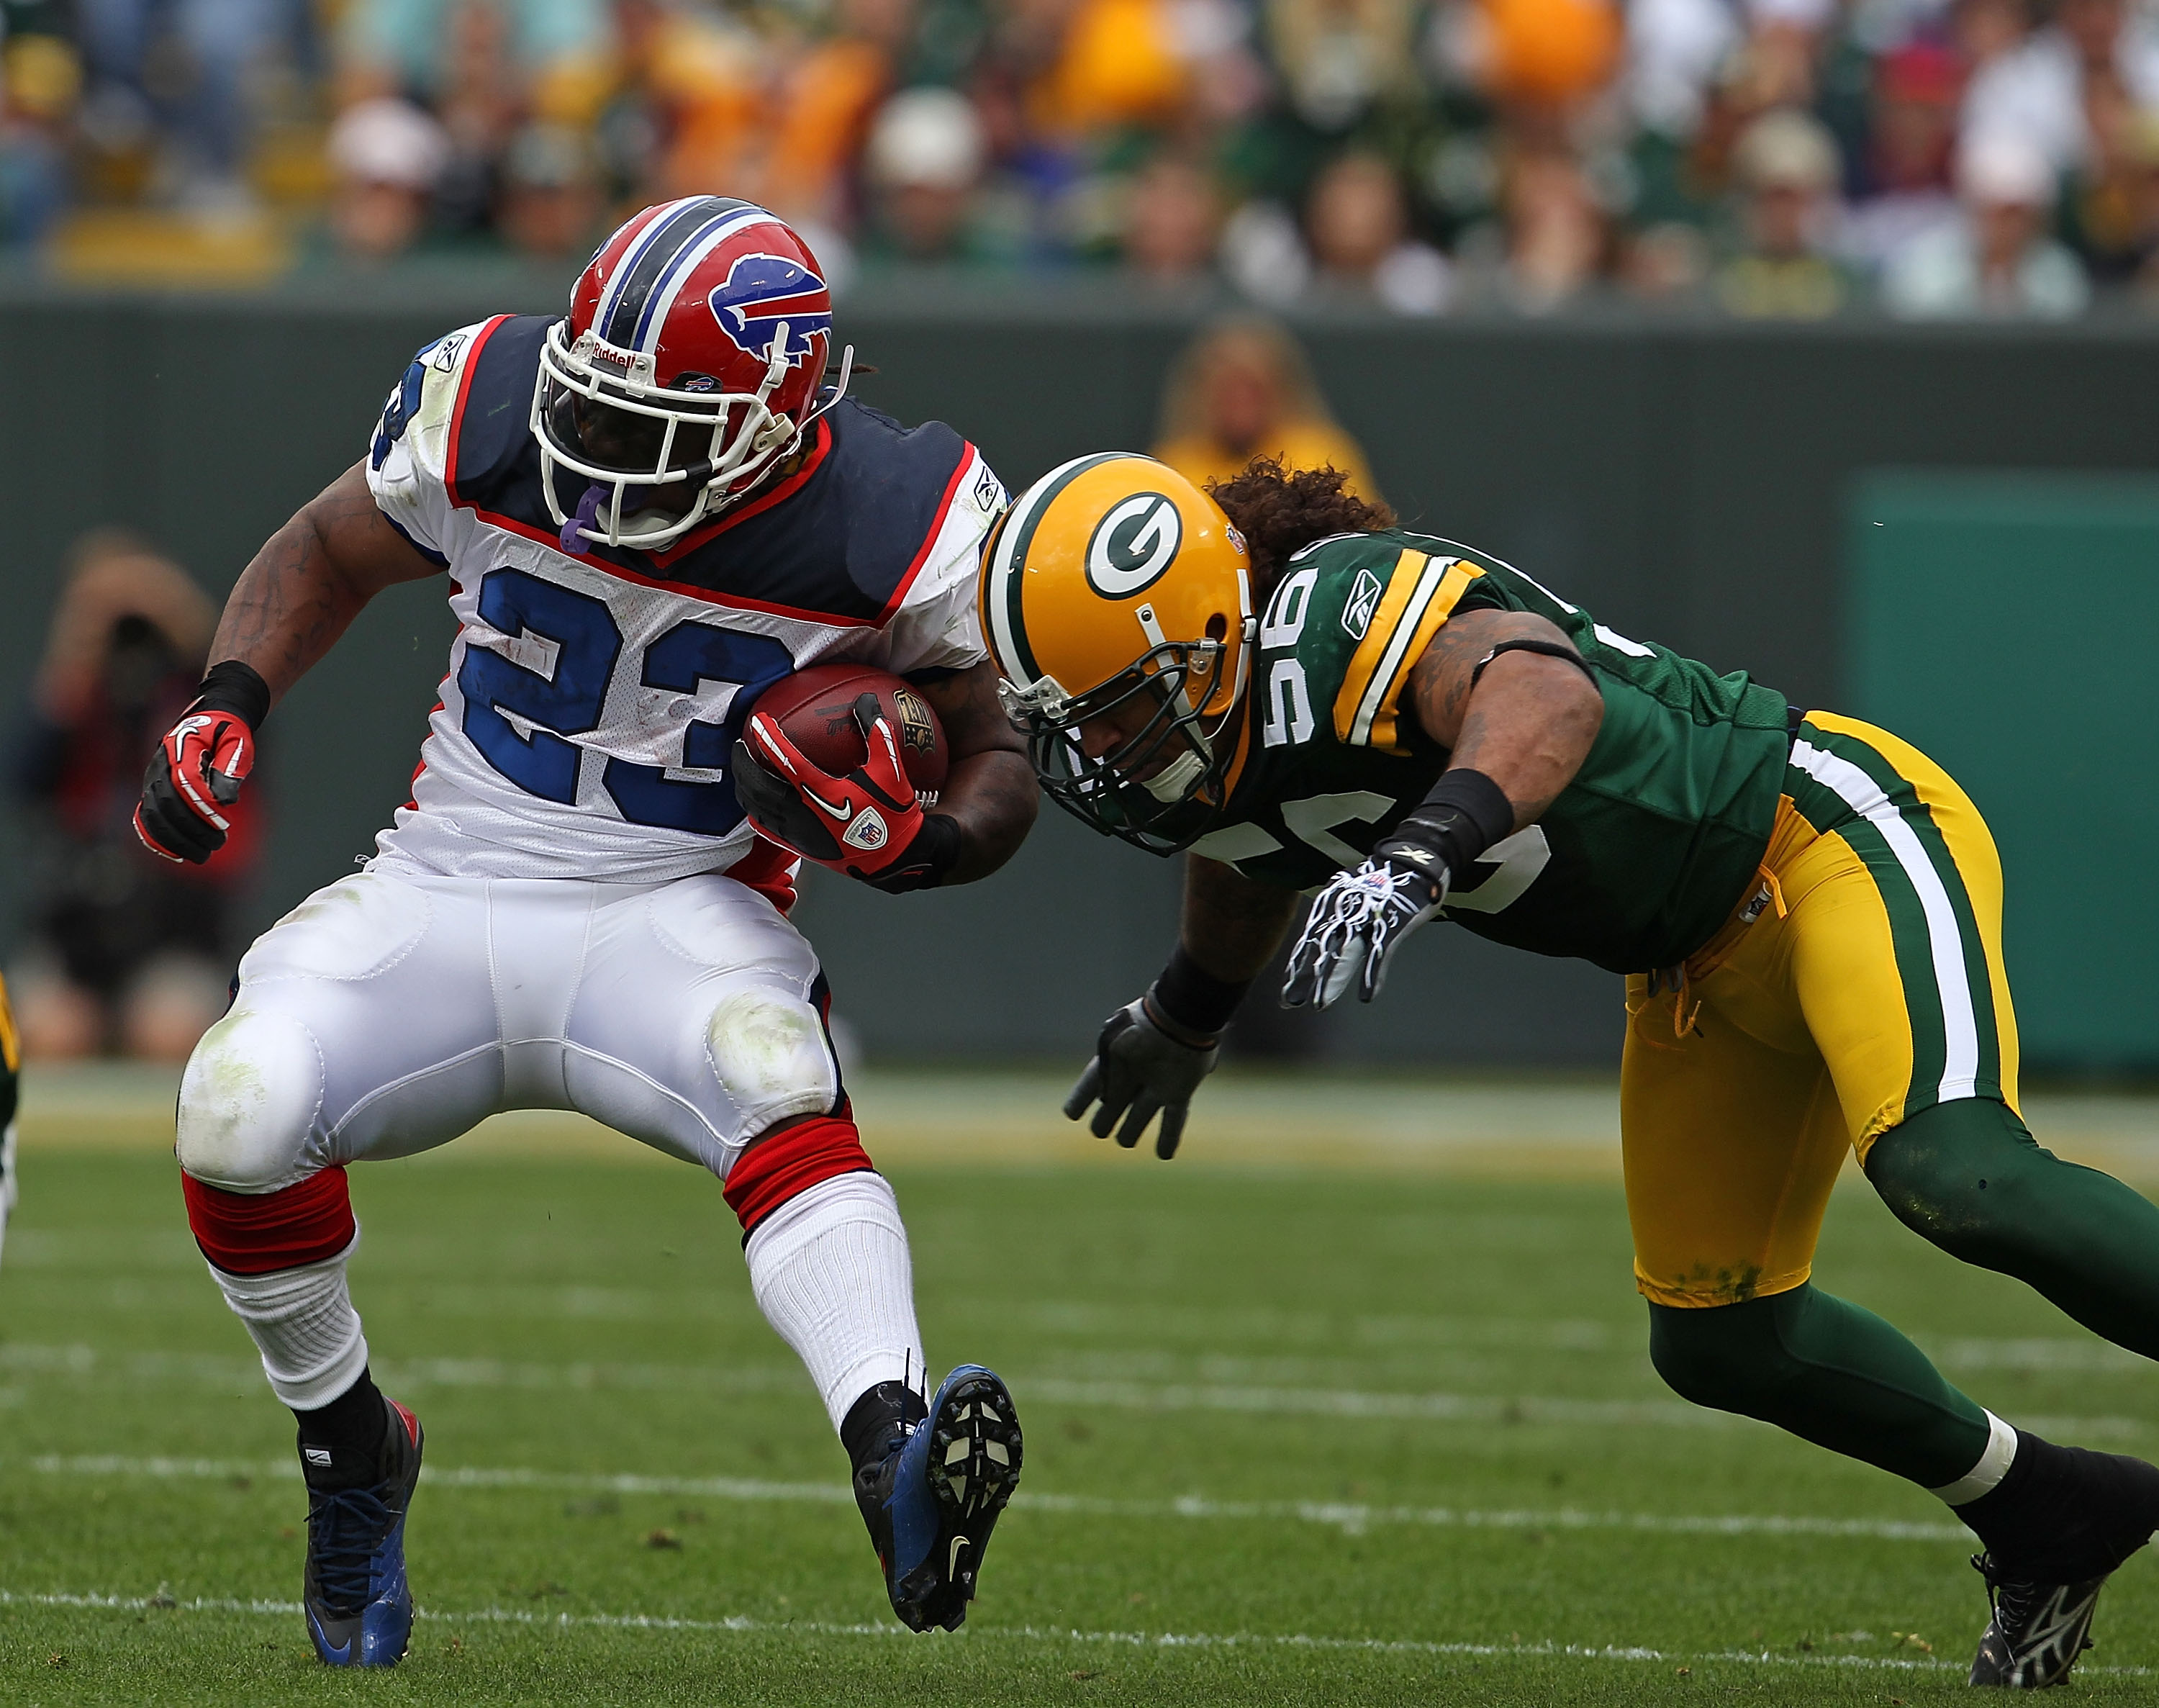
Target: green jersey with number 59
<point>1636,864</point>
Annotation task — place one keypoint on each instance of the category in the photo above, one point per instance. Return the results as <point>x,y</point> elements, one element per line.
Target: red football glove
<point>868,824</point>
<point>198,768</point>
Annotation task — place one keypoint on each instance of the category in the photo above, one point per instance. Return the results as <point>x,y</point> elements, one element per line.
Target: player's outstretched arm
<point>989,791</point>
<point>1517,709</point>
<point>302,590</point>
<point>1152,1053</point>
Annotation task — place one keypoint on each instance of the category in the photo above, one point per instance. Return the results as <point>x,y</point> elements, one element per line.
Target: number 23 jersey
<point>1635,865</point>
<point>593,698</point>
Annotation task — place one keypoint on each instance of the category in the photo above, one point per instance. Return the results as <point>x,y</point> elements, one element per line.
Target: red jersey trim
<point>457,408</point>
<point>930,536</point>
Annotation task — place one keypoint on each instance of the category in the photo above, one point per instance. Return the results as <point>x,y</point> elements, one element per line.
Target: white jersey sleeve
<point>408,456</point>
<point>937,626</point>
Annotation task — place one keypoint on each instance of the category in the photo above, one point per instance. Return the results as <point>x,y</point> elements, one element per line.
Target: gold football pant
<point>1858,983</point>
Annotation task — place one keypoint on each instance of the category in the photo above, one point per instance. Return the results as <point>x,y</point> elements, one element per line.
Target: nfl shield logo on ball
<point>868,831</point>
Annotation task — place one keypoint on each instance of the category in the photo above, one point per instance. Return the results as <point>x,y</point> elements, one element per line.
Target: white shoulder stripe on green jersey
<point>1376,691</point>
<point>1945,942</point>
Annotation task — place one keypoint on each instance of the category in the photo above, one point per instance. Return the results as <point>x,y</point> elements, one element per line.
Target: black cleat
<point>2062,1521</point>
<point>358,1604</point>
<point>2037,1630</point>
<point>931,1502</point>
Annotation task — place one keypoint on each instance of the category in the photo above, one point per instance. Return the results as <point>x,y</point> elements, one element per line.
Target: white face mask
<point>1168,785</point>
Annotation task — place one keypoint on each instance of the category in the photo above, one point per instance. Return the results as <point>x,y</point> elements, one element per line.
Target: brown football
<point>815,709</point>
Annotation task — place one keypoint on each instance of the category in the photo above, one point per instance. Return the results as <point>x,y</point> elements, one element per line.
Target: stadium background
<point>1676,304</point>
<point>1731,491</point>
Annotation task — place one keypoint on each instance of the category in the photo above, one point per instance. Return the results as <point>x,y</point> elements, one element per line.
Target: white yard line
<point>1352,1517</point>
<point>417,1374</point>
<point>741,1625</point>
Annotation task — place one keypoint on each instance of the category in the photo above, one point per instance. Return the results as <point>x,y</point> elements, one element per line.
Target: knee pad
<point>249,1101</point>
<point>767,1046</point>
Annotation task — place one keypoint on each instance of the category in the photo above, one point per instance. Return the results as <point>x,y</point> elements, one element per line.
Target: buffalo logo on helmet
<point>765,294</point>
<point>1133,546</point>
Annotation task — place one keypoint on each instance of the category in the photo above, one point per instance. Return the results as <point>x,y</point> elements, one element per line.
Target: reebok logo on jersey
<point>868,831</point>
<point>1364,600</point>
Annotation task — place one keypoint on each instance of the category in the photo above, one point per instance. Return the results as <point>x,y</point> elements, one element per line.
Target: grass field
<point>1296,1433</point>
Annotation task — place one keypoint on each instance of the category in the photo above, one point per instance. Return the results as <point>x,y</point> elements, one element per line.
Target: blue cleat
<point>359,1605</point>
<point>932,1502</point>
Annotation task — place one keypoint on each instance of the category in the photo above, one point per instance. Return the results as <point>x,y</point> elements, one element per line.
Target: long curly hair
<point>1280,512</point>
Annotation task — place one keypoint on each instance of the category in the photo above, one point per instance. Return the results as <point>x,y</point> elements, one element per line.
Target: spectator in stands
<point>550,195</point>
<point>1997,260</point>
<point>1912,134</point>
<point>125,951</point>
<point>1243,389</point>
<point>187,63</point>
<point>2073,90</point>
<point>40,79</point>
<point>1786,170</point>
<point>1557,234</point>
<point>387,155</point>
<point>1357,220</point>
<point>1173,222</point>
<point>926,155</point>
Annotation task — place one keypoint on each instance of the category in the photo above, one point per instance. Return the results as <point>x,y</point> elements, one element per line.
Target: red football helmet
<point>692,359</point>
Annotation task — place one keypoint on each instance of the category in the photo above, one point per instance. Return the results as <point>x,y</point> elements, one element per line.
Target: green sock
<point>1969,1176</point>
<point>1829,1372</point>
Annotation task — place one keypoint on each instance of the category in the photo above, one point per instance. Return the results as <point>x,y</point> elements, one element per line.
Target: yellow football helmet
<point>1113,580</point>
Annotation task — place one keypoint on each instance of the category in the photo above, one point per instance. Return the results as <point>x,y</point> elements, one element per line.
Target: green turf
<point>1486,1516</point>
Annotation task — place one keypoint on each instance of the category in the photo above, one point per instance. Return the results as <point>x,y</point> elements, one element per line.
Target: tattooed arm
<point>1529,722</point>
<point>309,581</point>
<point>1232,925</point>
<point>989,791</point>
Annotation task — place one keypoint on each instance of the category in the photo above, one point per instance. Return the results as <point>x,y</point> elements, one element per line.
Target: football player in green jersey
<point>1274,679</point>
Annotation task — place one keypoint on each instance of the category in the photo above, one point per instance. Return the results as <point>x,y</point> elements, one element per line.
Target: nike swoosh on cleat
<point>952,1563</point>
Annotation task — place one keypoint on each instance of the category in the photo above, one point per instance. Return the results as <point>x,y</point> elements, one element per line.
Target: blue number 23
<point>568,701</point>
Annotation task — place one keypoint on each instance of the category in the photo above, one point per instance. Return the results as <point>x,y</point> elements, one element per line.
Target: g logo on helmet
<point>1133,546</point>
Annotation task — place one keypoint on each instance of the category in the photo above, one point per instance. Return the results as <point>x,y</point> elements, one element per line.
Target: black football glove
<point>199,766</point>
<point>1141,1068</point>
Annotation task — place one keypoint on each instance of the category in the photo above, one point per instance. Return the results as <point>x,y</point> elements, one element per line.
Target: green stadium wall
<point>1687,481</point>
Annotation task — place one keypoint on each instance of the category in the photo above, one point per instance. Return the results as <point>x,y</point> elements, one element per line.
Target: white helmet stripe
<point>611,298</point>
<point>659,301</point>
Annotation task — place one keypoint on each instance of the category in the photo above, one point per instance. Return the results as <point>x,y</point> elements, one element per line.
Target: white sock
<point>830,1272</point>
<point>1992,1467</point>
<point>304,1327</point>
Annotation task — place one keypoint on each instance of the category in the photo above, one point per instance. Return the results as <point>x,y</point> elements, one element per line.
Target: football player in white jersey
<point>648,510</point>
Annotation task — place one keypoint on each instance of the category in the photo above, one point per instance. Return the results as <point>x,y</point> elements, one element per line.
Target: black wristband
<point>934,851</point>
<point>1465,814</point>
<point>1192,999</point>
<point>235,687</point>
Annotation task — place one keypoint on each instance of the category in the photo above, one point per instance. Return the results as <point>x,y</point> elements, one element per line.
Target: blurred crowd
<point>1780,158</point>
